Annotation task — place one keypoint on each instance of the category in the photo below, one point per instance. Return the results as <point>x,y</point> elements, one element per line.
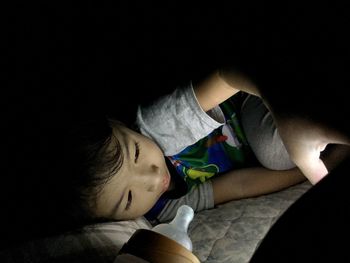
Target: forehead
<point>123,135</point>
<point>112,190</point>
<point>120,131</point>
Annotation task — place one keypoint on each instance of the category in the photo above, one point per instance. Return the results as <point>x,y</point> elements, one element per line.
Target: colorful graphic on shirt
<point>224,149</point>
<point>232,139</point>
<point>202,173</point>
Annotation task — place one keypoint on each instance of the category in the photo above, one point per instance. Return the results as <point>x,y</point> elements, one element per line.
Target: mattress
<point>231,232</point>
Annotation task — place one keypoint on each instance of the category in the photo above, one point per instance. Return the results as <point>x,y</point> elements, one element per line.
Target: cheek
<point>155,150</point>
<point>146,202</point>
<point>150,143</point>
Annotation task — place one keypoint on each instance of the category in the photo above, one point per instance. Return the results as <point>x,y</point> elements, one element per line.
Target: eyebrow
<point>125,143</point>
<point>124,140</point>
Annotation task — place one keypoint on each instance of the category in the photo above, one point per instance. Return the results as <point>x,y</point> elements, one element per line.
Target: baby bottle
<point>177,228</point>
<point>164,242</point>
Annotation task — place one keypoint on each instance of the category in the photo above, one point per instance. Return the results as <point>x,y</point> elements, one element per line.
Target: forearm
<point>251,182</point>
<point>221,85</point>
<point>237,80</point>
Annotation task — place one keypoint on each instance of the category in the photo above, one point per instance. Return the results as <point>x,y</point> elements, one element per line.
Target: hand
<point>305,140</point>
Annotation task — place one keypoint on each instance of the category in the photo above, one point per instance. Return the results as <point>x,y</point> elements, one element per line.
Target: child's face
<point>139,183</point>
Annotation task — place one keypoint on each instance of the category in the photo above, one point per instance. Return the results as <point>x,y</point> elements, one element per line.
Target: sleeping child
<point>209,142</point>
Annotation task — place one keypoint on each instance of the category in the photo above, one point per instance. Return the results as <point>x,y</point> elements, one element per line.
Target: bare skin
<point>304,138</point>
<point>139,184</point>
<point>142,179</point>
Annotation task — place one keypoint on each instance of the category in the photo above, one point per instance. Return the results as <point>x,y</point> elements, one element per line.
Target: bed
<point>231,232</point>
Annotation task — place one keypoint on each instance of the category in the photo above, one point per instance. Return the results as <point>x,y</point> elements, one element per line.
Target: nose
<point>149,177</point>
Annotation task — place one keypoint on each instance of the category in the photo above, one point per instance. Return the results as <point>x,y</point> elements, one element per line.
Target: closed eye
<point>128,204</point>
<point>137,151</point>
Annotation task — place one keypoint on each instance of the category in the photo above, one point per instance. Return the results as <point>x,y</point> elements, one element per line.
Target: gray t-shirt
<point>174,122</point>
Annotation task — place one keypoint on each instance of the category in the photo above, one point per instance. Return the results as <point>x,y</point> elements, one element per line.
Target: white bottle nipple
<point>177,228</point>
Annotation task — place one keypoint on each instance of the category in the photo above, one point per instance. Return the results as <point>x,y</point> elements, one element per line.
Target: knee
<point>276,162</point>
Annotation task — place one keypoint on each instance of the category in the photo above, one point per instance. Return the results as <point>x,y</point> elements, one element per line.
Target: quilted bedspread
<point>231,232</point>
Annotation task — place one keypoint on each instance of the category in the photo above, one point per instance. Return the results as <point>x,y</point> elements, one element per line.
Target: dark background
<point>123,49</point>
<point>117,55</point>
<point>63,63</point>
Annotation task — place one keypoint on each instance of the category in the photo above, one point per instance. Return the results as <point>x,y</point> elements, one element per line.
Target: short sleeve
<point>199,198</point>
<point>176,121</point>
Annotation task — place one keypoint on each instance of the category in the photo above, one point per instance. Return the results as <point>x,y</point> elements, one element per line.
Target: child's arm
<point>250,182</point>
<point>304,138</point>
<point>221,85</point>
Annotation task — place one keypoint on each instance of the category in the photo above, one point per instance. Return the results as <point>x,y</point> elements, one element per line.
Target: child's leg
<point>262,135</point>
<point>267,145</point>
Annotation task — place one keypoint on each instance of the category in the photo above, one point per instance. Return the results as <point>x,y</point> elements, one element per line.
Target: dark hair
<point>54,173</point>
<point>97,156</point>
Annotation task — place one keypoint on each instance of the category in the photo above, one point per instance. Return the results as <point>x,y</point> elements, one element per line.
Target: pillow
<point>94,243</point>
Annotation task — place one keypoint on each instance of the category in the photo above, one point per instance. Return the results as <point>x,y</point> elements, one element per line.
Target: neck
<point>178,186</point>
